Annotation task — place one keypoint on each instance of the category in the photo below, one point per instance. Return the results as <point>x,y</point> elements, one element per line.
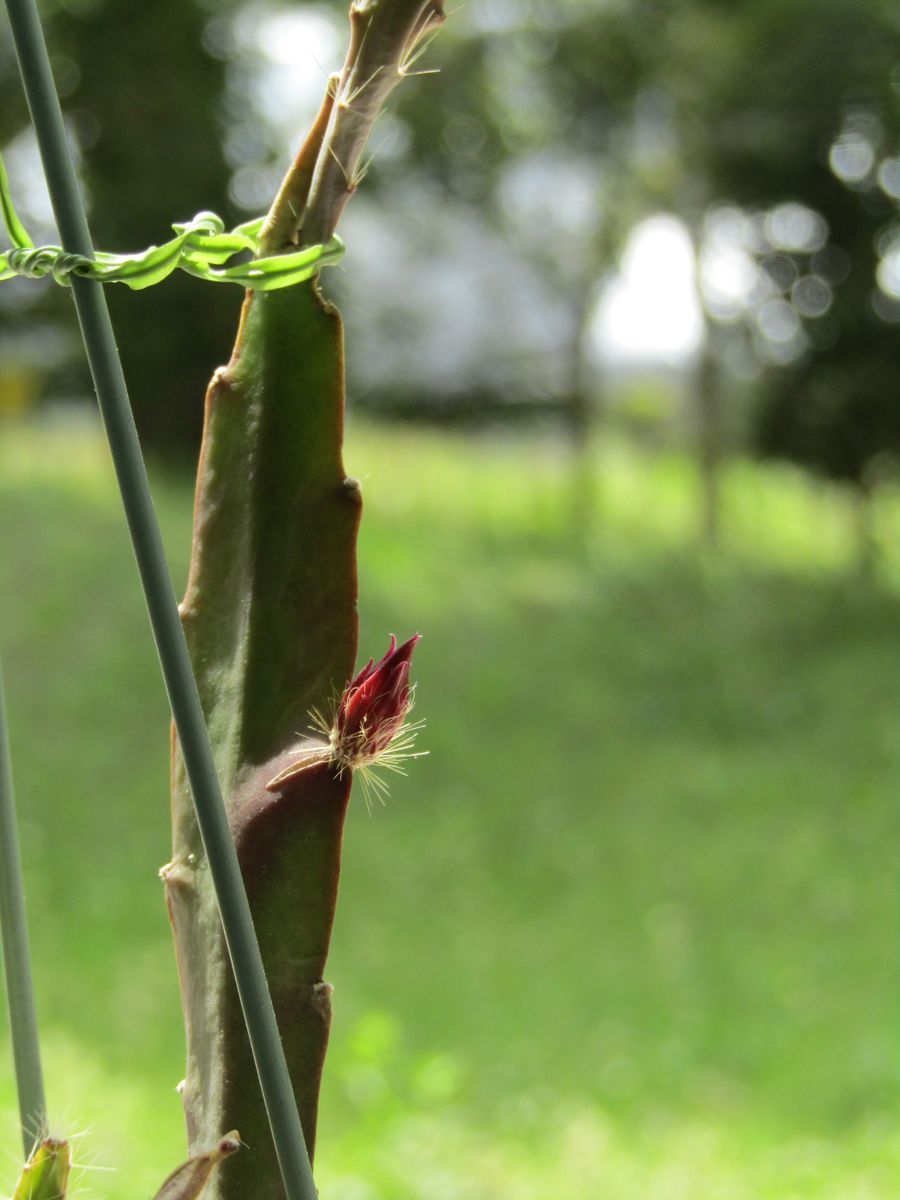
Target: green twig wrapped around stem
<point>200,247</point>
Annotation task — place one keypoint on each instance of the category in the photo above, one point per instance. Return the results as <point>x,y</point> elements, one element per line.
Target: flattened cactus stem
<point>270,621</point>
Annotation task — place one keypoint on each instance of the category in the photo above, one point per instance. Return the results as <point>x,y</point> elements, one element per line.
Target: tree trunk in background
<point>153,155</point>
<point>708,442</point>
<point>581,420</point>
<point>867,549</point>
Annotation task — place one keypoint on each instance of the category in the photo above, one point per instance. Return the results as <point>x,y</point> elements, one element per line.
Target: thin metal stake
<point>16,960</point>
<point>112,394</point>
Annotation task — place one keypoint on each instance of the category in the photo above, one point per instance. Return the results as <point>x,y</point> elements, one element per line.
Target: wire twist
<point>200,247</point>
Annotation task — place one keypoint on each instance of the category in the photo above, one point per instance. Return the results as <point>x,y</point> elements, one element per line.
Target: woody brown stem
<point>279,233</point>
<point>384,38</point>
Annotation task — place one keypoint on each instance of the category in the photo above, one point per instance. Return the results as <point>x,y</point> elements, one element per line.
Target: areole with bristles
<point>369,728</point>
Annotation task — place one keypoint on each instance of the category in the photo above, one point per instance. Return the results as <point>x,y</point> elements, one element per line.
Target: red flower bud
<point>375,704</point>
<point>370,729</point>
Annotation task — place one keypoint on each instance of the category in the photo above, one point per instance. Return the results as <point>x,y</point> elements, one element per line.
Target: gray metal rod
<point>112,395</point>
<point>23,1026</point>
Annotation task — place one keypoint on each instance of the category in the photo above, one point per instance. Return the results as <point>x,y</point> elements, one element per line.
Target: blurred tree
<point>526,137</point>
<point>788,109</point>
<point>142,97</point>
<point>754,106</point>
<point>567,125</point>
<point>549,132</point>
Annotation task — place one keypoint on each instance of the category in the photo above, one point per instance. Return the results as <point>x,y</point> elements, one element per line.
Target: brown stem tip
<point>388,39</point>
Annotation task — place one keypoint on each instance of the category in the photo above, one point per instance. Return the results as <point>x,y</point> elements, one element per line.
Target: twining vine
<point>200,247</point>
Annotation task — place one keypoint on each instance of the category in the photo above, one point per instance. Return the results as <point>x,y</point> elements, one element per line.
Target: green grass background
<point>629,931</point>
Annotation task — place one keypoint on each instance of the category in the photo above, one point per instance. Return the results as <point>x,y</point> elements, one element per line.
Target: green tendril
<point>200,247</point>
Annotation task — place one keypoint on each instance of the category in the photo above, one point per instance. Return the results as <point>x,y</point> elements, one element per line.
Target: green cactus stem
<point>45,1175</point>
<point>270,620</point>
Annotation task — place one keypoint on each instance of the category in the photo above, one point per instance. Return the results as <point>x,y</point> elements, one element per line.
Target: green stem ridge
<point>16,959</point>
<point>220,855</point>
